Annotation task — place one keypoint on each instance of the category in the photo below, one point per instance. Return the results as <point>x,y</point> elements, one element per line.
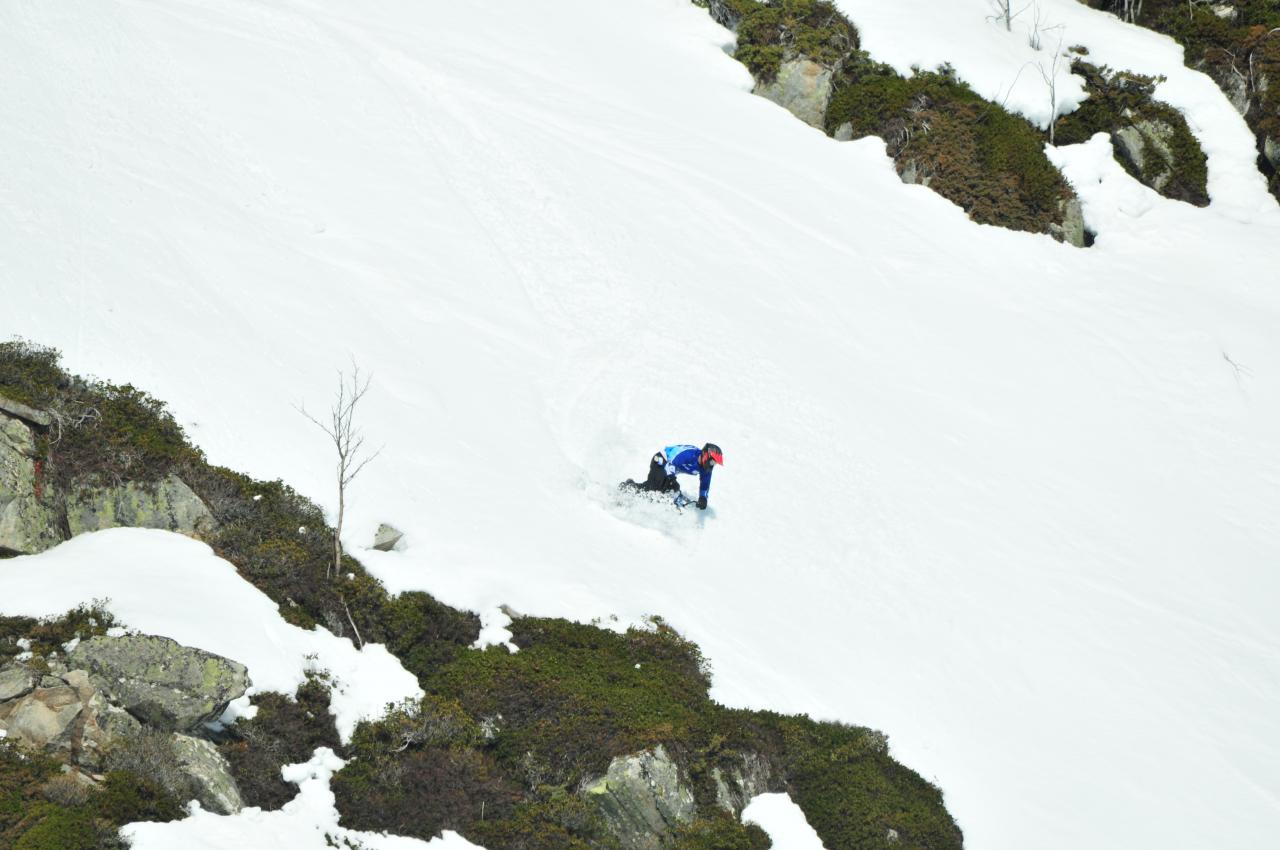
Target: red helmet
<point>711,454</point>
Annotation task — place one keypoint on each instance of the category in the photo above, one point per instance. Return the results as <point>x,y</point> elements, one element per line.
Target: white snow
<point>1014,503</point>
<point>308,822</point>
<point>166,584</point>
<point>778,815</point>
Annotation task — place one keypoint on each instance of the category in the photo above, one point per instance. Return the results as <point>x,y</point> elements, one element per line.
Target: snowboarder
<point>690,460</point>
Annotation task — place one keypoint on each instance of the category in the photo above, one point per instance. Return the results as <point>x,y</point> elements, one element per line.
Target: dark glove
<point>702,503</point>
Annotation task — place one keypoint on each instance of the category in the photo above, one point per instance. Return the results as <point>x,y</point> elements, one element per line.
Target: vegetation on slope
<point>501,744</point>
<point>1237,42</point>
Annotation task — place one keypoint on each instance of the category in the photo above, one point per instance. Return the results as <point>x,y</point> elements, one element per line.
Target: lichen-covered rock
<point>101,725</point>
<point>27,525</point>
<point>15,681</point>
<point>199,759</point>
<point>736,787</point>
<point>159,681</point>
<point>1145,144</point>
<point>642,799</point>
<point>803,87</point>
<point>1071,228</point>
<point>169,505</point>
<point>387,537</point>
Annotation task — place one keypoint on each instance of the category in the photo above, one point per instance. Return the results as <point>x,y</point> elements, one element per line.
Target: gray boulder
<point>722,13</point>
<point>159,681</point>
<point>43,719</point>
<point>23,411</point>
<point>15,681</point>
<point>803,87</point>
<point>1271,150</point>
<point>27,525</point>
<point>216,788</point>
<point>101,725</point>
<point>1071,230</point>
<point>169,505</point>
<point>736,787</point>
<point>642,799</point>
<point>1145,146</point>
<point>387,537</point>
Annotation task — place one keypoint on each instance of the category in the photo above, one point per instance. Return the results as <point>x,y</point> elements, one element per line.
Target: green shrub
<point>284,731</point>
<point>552,819</point>
<point>576,696</point>
<point>421,791</point>
<point>129,798</point>
<point>30,373</point>
<point>48,635</point>
<point>56,827</point>
<point>721,831</point>
<point>423,633</point>
<point>854,795</point>
<point>770,34</point>
<point>975,153</point>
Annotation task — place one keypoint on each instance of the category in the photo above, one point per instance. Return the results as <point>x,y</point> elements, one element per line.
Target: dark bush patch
<point>721,831</point>
<point>551,819</point>
<point>30,373</point>
<point>284,731</point>
<point>421,791</point>
<point>770,34</point>
<point>975,153</point>
<point>48,635</point>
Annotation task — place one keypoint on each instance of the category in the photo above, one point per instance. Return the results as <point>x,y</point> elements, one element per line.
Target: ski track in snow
<point>1006,500</point>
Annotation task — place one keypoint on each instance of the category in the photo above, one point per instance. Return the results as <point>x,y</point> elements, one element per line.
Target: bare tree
<point>348,442</point>
<point>1050,77</point>
<point>1003,13</point>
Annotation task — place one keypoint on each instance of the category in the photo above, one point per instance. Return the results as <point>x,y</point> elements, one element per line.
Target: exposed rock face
<point>169,505</point>
<point>642,799</point>
<point>750,779</point>
<point>43,718</point>
<point>387,537</point>
<point>1271,150</point>
<point>803,87</point>
<point>201,761</point>
<point>160,682</point>
<point>1145,146</point>
<point>15,681</point>
<point>722,13</point>
<point>27,524</point>
<point>1071,230</point>
<point>23,411</point>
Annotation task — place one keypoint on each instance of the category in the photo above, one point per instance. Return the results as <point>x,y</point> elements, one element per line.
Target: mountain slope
<point>1013,502</point>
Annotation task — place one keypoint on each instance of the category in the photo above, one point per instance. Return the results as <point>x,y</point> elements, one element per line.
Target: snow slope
<point>1014,503</point>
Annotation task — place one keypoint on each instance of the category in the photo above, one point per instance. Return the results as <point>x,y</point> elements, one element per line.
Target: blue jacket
<point>685,459</point>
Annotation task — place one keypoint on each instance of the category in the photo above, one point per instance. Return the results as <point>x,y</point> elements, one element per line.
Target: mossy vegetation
<point>940,133</point>
<point>720,831</point>
<point>42,636</point>
<point>1121,99</point>
<point>42,808</point>
<point>1240,49</point>
<point>770,34</point>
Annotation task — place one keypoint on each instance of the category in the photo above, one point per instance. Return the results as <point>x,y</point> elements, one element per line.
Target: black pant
<point>658,478</point>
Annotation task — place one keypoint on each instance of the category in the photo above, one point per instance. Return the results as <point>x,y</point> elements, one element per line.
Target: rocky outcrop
<point>27,523</point>
<point>200,760</point>
<point>76,713</point>
<point>736,786</point>
<point>387,537</point>
<point>642,799</point>
<point>1145,146</point>
<point>22,411</point>
<point>802,87</point>
<point>722,13</point>
<point>160,682</point>
<point>169,505</point>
